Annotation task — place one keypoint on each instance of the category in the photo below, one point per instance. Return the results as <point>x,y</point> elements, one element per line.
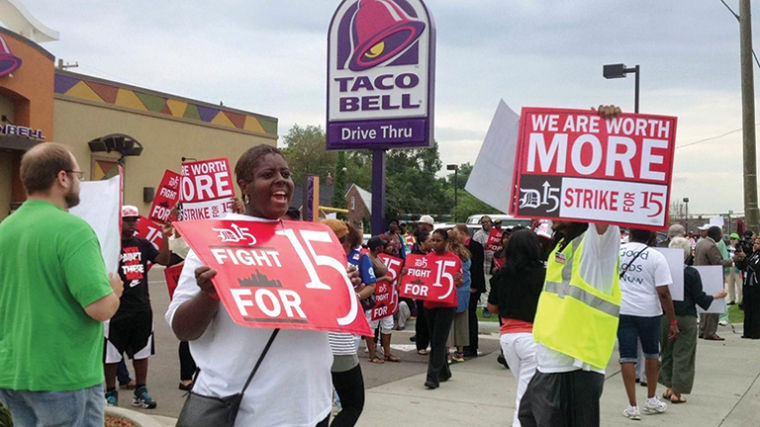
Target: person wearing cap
<point>54,295</point>
<point>131,328</point>
<point>426,223</point>
<point>733,275</point>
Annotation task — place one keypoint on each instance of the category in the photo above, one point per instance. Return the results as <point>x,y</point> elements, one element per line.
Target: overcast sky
<point>269,57</point>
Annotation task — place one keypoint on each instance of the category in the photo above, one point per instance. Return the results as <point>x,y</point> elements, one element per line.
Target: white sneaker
<point>723,323</point>
<point>632,413</point>
<point>654,406</point>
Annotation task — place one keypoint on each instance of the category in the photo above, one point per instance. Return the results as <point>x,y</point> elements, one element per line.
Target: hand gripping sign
<point>207,190</point>
<point>431,278</point>
<point>282,274</point>
<point>386,292</point>
<point>575,165</point>
<point>166,197</point>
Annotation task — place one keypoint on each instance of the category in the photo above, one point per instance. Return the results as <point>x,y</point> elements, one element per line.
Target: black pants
<point>350,388</point>
<point>567,399</point>
<point>186,363</point>
<point>751,304</point>
<point>421,331</point>
<point>439,322</point>
<point>472,314</point>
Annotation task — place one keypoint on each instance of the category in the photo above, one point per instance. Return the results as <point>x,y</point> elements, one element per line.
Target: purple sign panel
<point>380,68</point>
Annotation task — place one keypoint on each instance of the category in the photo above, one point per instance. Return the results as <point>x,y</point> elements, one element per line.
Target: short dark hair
<point>714,232</point>
<point>247,161</point>
<point>376,242</point>
<point>41,164</point>
<point>640,235</point>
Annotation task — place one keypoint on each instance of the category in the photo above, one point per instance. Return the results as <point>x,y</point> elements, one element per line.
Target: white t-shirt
<point>597,267</point>
<point>641,279</point>
<point>293,386</point>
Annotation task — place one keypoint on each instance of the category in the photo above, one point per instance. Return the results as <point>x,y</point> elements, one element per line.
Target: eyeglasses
<point>79,174</point>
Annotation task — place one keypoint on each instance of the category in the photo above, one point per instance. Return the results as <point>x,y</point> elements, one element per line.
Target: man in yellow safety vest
<point>575,326</point>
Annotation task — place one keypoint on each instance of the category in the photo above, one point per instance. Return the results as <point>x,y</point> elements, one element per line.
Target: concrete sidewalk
<point>481,392</point>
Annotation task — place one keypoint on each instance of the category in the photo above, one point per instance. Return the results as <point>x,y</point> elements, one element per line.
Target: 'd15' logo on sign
<point>380,75</point>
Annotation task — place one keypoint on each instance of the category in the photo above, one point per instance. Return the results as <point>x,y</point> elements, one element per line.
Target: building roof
<point>99,90</point>
<point>364,194</point>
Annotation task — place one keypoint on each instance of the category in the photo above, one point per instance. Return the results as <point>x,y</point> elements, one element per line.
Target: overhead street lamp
<point>617,71</point>
<point>454,168</point>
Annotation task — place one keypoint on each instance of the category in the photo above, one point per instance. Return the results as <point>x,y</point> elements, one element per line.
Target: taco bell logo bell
<point>380,75</point>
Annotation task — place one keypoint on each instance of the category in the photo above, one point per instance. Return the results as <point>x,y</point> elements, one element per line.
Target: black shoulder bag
<point>631,261</point>
<point>203,411</point>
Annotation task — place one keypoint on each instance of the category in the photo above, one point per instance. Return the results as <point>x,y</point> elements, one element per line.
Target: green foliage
<point>306,153</point>
<point>411,184</point>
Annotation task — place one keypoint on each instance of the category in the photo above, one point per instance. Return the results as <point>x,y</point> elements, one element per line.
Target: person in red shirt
<point>515,289</point>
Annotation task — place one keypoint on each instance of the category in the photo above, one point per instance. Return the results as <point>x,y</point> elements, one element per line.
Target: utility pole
<point>751,213</point>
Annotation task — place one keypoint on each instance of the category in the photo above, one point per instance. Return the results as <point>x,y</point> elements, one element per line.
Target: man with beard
<point>131,329</point>
<point>54,294</point>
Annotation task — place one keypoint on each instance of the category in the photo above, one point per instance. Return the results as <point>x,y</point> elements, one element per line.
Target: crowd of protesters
<point>616,282</point>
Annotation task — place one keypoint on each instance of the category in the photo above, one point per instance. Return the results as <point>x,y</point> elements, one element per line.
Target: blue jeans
<point>77,408</point>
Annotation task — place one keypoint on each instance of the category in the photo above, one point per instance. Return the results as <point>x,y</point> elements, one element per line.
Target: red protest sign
<point>172,277</point>
<point>150,231</point>
<point>278,274</point>
<point>431,278</point>
<point>207,189</point>
<point>166,198</point>
<point>575,165</point>
<point>494,239</point>
<point>386,293</point>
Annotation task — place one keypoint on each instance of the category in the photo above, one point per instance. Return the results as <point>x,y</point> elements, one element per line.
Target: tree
<point>307,154</point>
<point>339,184</point>
<point>467,204</point>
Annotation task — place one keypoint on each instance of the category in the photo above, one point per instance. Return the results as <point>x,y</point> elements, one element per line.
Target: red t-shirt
<point>513,326</point>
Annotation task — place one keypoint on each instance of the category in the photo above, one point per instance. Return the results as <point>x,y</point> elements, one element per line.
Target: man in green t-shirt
<point>54,294</point>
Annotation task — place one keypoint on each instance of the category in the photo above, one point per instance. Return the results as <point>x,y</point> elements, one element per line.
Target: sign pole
<point>378,192</point>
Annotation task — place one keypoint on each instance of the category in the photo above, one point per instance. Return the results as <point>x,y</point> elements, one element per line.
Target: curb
<point>138,418</point>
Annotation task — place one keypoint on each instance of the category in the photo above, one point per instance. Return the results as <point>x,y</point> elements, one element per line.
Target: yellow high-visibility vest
<point>573,317</point>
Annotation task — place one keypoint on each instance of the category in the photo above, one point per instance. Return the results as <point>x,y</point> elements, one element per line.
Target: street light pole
<point>686,202</point>
<point>455,168</point>
<point>617,71</point>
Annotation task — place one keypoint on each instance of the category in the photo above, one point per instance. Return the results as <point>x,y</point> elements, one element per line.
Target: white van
<point>473,221</point>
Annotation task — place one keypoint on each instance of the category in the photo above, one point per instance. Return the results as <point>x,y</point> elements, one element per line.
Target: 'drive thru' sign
<point>576,165</point>
<point>278,274</point>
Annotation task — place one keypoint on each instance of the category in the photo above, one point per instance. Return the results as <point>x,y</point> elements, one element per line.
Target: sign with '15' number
<point>431,278</point>
<point>279,274</point>
<point>576,165</point>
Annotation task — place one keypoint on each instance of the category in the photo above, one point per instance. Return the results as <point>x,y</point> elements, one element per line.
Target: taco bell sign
<point>380,74</point>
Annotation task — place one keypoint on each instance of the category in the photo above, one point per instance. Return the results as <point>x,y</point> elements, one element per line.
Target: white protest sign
<point>495,162</point>
<point>712,283</point>
<point>100,205</point>
<point>717,221</point>
<point>206,189</point>
<point>674,256</point>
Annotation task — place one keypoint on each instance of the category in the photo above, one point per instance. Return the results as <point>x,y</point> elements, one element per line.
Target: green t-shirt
<point>50,269</point>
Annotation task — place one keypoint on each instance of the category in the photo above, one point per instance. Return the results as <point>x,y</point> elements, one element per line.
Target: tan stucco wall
<point>165,141</point>
<point>5,178</point>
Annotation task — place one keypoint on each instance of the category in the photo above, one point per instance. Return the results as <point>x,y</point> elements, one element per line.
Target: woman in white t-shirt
<point>292,386</point>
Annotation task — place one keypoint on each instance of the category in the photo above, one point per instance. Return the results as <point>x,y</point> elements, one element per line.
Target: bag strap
<point>632,260</point>
<point>261,359</point>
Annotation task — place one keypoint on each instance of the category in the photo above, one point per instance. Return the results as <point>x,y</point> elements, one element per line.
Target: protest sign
<point>712,283</point>
<point>494,240</point>
<point>100,205</point>
<point>278,274</point>
<point>674,258</point>
<point>207,190</point>
<point>166,198</point>
<point>431,278</point>
<point>150,231</point>
<point>386,292</point>
<point>172,277</point>
<point>575,165</point>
